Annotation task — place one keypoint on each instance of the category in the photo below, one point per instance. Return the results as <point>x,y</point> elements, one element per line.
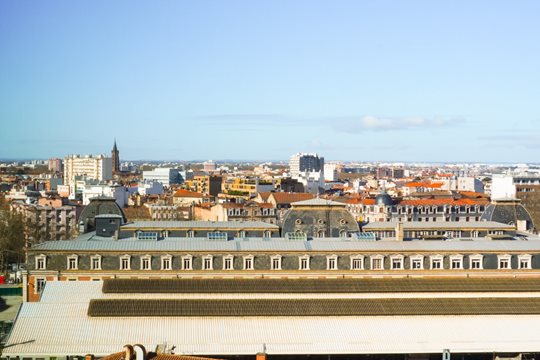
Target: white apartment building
<point>305,163</point>
<point>165,176</point>
<point>330,172</point>
<point>118,192</point>
<point>91,167</point>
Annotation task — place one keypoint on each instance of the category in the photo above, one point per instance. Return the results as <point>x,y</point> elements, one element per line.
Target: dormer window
<point>228,262</point>
<point>146,262</point>
<point>166,262</point>
<point>41,262</point>
<point>304,262</point>
<point>332,262</point>
<point>125,262</point>
<point>275,262</point>
<point>147,235</point>
<point>72,262</point>
<point>95,262</point>
<point>249,262</point>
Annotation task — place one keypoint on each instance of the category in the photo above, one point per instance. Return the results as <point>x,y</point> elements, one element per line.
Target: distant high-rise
<point>92,167</point>
<point>115,155</point>
<point>305,163</point>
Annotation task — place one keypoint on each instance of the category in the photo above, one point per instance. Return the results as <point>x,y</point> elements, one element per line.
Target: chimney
<point>140,352</point>
<point>128,349</point>
<point>399,231</point>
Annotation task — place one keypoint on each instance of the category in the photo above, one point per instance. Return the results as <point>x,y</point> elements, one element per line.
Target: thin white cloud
<point>337,123</point>
<point>376,123</point>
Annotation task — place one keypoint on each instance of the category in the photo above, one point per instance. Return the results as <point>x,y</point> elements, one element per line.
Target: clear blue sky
<point>351,80</point>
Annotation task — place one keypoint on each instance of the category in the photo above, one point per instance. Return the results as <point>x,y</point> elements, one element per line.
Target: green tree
<point>12,238</point>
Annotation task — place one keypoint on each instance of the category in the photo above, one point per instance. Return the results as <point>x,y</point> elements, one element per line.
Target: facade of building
<point>249,211</point>
<point>55,165</point>
<point>166,176</point>
<point>187,198</point>
<point>48,221</point>
<point>246,187</point>
<point>384,208</point>
<point>205,184</point>
<point>91,167</point>
<point>400,231</point>
<point>305,163</point>
<point>319,218</point>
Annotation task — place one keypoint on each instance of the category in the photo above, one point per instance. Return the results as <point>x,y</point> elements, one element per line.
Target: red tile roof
<point>287,198</point>
<point>424,184</point>
<point>187,194</point>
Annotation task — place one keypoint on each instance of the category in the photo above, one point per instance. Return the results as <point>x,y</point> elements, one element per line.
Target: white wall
<point>502,187</point>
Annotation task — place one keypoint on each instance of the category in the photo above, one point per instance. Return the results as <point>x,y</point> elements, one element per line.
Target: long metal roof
<point>65,329</point>
<point>438,225</point>
<point>95,243</point>
<point>317,286</point>
<point>59,326</point>
<point>199,225</point>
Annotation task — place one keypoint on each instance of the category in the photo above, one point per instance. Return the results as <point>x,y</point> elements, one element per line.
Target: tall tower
<point>115,154</point>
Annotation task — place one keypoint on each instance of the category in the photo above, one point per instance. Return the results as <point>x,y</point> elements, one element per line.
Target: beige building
<point>92,167</point>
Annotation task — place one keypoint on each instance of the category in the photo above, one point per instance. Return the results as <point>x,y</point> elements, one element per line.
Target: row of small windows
<point>357,262</point>
<point>155,235</point>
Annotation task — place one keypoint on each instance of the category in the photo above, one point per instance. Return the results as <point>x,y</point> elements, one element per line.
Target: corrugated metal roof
<point>458,225</point>
<point>199,225</point>
<point>313,286</point>
<point>284,245</point>
<point>49,329</point>
<point>311,307</point>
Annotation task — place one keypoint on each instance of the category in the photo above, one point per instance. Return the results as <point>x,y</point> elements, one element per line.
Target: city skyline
<point>415,82</point>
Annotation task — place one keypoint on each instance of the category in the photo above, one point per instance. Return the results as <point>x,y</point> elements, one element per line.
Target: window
<point>436,262</point>
<point>524,261</point>
<point>125,262</point>
<point>476,262</point>
<point>242,234</point>
<point>147,235</point>
<point>331,262</point>
<point>72,262</point>
<point>504,261</point>
<point>377,262</point>
<point>228,262</point>
<point>249,262</point>
<point>275,262</point>
<point>41,262</point>
<point>190,234</point>
<point>417,262</point>
<point>267,234</point>
<point>146,262</point>
<point>321,233</point>
<point>95,262</point>
<point>456,262</point>
<point>474,233</point>
<point>296,236</point>
<point>357,262</point>
<point>207,262</point>
<point>217,235</point>
<point>304,262</point>
<point>166,262</point>
<point>396,262</point>
<point>40,283</point>
<point>187,262</point>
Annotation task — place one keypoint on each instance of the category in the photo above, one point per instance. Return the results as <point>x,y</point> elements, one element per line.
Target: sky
<point>434,81</point>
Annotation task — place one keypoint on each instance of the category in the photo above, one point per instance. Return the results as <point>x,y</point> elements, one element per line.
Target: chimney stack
<point>399,231</point>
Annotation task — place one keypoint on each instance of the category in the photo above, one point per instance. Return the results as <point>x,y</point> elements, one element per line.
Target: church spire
<point>115,154</point>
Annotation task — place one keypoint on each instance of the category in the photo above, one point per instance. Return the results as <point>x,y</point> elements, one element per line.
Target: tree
<point>12,237</point>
